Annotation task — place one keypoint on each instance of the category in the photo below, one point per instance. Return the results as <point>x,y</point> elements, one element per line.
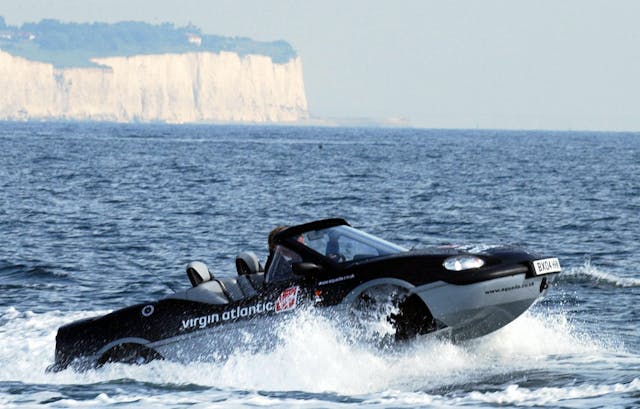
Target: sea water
<point>94,217</point>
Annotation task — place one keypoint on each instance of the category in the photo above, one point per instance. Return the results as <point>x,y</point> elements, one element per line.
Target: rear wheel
<point>129,354</point>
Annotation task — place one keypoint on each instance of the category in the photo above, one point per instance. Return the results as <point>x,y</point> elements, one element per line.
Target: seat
<point>248,263</point>
<point>231,288</point>
<point>241,287</point>
<point>257,280</point>
<point>209,292</point>
<point>198,273</point>
<point>246,286</point>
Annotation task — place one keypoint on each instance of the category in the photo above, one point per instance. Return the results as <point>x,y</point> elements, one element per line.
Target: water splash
<point>313,354</point>
<point>315,363</point>
<point>27,344</point>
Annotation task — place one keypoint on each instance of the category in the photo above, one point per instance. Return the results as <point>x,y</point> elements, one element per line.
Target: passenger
<point>272,234</point>
<point>272,245</point>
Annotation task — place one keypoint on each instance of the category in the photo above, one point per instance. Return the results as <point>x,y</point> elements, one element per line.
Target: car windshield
<point>344,244</point>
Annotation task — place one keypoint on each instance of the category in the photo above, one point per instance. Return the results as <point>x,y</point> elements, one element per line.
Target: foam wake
<point>590,273</point>
<point>516,395</point>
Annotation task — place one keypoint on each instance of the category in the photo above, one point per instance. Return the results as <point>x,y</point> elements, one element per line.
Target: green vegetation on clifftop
<point>74,44</point>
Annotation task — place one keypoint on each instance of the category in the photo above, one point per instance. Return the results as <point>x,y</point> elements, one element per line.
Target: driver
<point>332,250</point>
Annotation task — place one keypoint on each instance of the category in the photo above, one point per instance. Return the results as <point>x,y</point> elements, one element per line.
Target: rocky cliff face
<point>175,88</point>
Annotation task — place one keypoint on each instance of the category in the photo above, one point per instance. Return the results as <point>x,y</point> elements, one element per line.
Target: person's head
<point>272,234</point>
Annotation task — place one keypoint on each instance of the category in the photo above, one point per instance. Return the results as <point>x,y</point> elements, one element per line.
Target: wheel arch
<point>414,316</point>
<point>130,340</point>
<point>119,348</point>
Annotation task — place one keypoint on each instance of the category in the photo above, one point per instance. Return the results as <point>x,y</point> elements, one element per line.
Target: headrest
<point>198,273</point>
<point>247,263</point>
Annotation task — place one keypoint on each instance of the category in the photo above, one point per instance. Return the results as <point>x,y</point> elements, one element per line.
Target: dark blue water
<point>94,217</point>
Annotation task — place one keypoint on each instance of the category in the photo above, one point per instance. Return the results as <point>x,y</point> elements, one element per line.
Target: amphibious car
<point>326,265</point>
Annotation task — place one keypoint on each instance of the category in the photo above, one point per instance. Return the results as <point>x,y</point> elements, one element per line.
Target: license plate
<point>546,266</point>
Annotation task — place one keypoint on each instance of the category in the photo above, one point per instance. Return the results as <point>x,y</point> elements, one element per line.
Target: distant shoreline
<point>315,123</point>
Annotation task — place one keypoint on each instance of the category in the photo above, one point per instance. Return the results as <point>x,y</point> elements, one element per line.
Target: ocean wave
<point>10,270</point>
<point>593,274</point>
<point>609,395</point>
<point>512,395</point>
<point>516,395</point>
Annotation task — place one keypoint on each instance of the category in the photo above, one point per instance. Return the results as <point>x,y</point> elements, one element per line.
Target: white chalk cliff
<point>175,88</point>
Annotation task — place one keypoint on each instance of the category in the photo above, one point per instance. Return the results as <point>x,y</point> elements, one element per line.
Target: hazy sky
<point>490,64</point>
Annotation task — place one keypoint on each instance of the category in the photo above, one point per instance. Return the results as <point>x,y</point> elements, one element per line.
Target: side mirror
<point>306,269</point>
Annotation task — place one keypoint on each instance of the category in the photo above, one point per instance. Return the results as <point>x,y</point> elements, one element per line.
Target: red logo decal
<point>287,300</point>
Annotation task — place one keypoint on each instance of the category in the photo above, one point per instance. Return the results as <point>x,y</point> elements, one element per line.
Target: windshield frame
<point>351,237</point>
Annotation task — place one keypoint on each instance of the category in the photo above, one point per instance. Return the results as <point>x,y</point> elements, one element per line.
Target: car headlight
<point>463,262</point>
